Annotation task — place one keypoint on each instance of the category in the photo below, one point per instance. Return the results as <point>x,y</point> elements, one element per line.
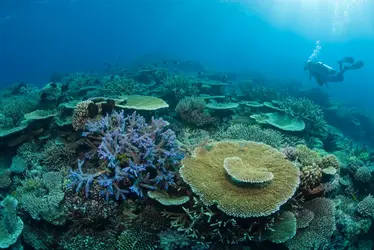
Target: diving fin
<point>356,65</point>
<point>347,59</point>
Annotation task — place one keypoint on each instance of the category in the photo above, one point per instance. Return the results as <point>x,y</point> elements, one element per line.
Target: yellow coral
<point>244,173</point>
<point>306,156</point>
<point>310,176</point>
<point>207,177</point>
<point>329,161</point>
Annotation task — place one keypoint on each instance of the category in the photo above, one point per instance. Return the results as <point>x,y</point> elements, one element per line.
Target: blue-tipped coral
<point>137,155</point>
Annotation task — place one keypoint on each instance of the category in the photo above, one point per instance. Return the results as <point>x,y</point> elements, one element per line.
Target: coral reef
<point>242,162</point>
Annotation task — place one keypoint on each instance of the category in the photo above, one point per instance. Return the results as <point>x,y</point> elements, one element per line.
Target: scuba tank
<point>326,69</point>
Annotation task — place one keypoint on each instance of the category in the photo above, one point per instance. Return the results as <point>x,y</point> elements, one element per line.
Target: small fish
<point>156,64</point>
<point>165,62</point>
<point>199,73</point>
<point>176,62</point>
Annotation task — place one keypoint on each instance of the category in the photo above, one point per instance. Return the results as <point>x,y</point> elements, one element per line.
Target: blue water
<point>38,38</point>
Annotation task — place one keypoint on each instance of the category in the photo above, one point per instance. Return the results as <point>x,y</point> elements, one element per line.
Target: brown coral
<point>310,177</point>
<point>206,175</point>
<point>330,161</point>
<point>81,114</point>
<point>306,156</point>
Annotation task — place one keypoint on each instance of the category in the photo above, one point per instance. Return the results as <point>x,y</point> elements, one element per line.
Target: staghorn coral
<point>320,228</point>
<point>180,86</point>
<point>117,85</point>
<point>307,110</point>
<point>191,110</point>
<point>138,156</point>
<point>206,175</point>
<point>252,133</point>
<point>206,225</point>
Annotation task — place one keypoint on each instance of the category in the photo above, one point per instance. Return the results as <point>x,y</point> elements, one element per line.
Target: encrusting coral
<point>206,175</point>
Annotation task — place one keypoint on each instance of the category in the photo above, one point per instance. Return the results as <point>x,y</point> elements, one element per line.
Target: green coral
<point>283,229</point>
<point>41,197</point>
<point>252,133</point>
<point>133,239</point>
<point>366,206</point>
<point>11,225</point>
<point>307,110</point>
<point>180,86</point>
<point>118,85</point>
<point>320,228</point>
<point>306,156</point>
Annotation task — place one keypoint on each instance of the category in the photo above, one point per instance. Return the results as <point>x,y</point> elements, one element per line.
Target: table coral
<point>207,177</point>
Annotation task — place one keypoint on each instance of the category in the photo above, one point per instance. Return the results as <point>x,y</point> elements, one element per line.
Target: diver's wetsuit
<point>323,74</point>
<point>337,77</point>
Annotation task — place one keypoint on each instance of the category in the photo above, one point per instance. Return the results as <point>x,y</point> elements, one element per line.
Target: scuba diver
<point>324,73</point>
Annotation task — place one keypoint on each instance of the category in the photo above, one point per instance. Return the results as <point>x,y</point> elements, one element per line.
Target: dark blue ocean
<point>38,38</point>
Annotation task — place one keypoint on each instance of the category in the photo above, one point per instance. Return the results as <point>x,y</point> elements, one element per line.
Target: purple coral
<point>78,179</point>
<point>139,155</point>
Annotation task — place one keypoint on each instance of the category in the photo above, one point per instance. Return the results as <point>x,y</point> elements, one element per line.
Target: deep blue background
<point>38,38</point>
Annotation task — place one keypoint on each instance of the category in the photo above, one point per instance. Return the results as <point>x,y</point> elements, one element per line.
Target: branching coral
<point>13,109</point>
<point>58,157</point>
<point>138,156</point>
<point>180,86</point>
<point>118,85</point>
<point>191,110</point>
<point>306,110</point>
<point>252,133</point>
